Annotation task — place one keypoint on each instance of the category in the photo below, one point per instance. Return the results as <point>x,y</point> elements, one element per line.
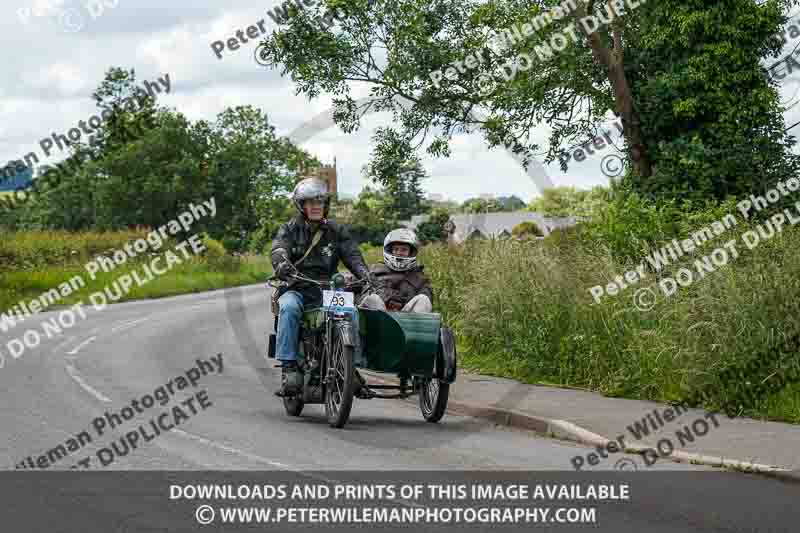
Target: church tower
<point>327,173</point>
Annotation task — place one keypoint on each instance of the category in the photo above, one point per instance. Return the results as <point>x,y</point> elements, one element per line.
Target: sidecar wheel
<point>433,396</point>
<point>340,389</point>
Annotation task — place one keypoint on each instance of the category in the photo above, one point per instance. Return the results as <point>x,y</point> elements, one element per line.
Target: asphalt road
<point>126,351</point>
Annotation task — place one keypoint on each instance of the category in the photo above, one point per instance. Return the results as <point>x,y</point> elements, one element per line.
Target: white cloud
<point>49,76</point>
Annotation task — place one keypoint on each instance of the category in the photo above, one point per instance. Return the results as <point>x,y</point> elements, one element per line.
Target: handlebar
<point>325,285</point>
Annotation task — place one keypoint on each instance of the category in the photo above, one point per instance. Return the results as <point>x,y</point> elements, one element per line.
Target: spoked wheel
<point>340,385</point>
<point>434,392</point>
<point>433,397</point>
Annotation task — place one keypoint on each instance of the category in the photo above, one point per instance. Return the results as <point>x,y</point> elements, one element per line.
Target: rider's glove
<point>285,269</point>
<point>364,275</point>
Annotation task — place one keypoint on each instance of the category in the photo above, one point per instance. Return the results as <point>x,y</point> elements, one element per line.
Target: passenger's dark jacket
<point>400,287</point>
<point>294,238</point>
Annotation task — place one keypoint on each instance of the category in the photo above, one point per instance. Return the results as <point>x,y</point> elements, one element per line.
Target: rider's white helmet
<point>400,236</point>
<point>311,189</point>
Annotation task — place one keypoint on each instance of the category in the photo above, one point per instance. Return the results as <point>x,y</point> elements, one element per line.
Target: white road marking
<point>79,380</point>
<point>260,459</point>
<point>129,324</point>
<point>122,322</point>
<point>81,345</point>
<point>229,449</point>
<point>69,340</point>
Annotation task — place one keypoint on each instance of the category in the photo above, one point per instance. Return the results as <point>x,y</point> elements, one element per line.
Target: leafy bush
<point>218,257</point>
<point>526,229</point>
<point>569,201</point>
<point>433,229</point>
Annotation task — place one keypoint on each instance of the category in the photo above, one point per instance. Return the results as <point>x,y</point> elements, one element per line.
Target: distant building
<point>435,197</point>
<point>15,175</point>
<point>500,225</point>
<point>325,172</point>
<point>487,196</point>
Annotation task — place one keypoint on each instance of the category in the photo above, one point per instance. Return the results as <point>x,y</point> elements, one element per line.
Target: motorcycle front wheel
<point>340,385</point>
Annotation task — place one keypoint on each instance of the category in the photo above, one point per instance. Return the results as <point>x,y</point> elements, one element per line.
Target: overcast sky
<point>50,72</point>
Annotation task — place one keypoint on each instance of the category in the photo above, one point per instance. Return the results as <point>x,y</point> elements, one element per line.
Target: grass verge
<point>523,310</point>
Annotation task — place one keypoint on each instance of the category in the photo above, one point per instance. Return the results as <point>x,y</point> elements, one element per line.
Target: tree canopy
<point>148,163</point>
<point>700,117</point>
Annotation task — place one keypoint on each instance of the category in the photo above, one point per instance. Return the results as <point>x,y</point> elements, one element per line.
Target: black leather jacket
<point>294,238</point>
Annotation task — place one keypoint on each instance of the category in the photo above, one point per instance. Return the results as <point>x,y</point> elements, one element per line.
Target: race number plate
<point>338,300</point>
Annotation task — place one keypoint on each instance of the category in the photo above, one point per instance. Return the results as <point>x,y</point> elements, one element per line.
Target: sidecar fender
<point>448,356</point>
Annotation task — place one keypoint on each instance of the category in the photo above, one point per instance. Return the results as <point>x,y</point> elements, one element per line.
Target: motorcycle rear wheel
<point>339,391</point>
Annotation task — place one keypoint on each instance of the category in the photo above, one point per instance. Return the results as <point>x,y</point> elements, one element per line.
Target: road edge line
<point>565,430</point>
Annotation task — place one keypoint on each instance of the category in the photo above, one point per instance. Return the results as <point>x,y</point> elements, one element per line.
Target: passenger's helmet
<point>400,236</point>
<point>311,189</point>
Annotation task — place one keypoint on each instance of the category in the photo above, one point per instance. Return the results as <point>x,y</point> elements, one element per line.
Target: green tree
<point>569,201</point>
<point>482,205</point>
<point>400,174</point>
<point>433,230</point>
<point>372,216</point>
<point>511,203</point>
<point>149,163</point>
<point>251,173</point>
<point>683,76</point>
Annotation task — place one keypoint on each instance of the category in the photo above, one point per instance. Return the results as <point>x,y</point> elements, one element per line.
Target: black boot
<point>291,379</point>
<point>362,391</point>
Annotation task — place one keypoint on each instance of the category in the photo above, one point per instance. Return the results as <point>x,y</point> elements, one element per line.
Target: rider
<point>399,282</point>
<point>312,245</point>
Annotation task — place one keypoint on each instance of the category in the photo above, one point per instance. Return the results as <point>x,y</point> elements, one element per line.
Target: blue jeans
<point>291,313</point>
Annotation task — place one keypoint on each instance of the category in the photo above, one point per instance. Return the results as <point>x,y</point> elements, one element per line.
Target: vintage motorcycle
<point>414,346</point>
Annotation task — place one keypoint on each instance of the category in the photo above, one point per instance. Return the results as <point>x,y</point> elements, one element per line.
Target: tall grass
<point>523,310</point>
<point>35,262</point>
<point>41,249</point>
